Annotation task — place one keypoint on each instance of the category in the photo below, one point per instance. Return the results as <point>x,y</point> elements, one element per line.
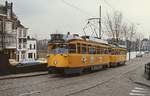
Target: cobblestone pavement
<point>116,81</point>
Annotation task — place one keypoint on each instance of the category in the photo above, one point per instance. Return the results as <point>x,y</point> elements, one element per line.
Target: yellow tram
<point>77,55</point>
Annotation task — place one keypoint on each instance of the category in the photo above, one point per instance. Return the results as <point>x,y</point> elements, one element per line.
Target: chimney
<point>6,3</point>
<point>28,37</point>
<point>9,9</point>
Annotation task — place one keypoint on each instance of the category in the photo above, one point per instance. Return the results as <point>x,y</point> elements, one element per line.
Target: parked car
<point>28,62</point>
<point>146,52</point>
<point>139,55</point>
<point>42,60</point>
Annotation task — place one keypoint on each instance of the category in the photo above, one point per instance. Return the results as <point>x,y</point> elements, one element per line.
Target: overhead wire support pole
<point>100,23</point>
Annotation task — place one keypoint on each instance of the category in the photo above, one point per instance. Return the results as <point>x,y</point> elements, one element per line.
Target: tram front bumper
<point>55,70</point>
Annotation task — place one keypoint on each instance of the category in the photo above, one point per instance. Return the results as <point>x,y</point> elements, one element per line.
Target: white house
<point>31,48</point>
<point>145,45</point>
<point>21,42</point>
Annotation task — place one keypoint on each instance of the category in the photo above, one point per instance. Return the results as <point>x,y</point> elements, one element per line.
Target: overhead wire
<point>75,7</point>
<point>108,4</point>
<point>114,9</point>
<point>83,11</point>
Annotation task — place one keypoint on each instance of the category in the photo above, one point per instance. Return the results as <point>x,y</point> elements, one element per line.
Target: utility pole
<point>2,35</point>
<point>100,22</point>
<point>99,35</point>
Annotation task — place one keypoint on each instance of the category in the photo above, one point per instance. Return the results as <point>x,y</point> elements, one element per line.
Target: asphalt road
<point>111,82</point>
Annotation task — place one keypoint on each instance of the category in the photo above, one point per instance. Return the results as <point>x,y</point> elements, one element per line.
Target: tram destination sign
<point>57,38</point>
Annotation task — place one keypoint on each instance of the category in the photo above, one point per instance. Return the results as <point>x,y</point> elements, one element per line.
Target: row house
<point>31,48</point>
<point>8,27</point>
<point>22,33</point>
<point>14,39</point>
<point>145,44</point>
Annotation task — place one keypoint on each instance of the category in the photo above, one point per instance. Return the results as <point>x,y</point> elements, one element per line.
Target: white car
<point>139,55</point>
<point>28,61</point>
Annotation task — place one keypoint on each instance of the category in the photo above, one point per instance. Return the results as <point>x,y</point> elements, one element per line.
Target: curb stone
<point>23,75</point>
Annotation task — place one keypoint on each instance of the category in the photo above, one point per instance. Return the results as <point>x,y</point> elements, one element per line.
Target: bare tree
<point>139,37</point>
<point>130,32</point>
<point>113,24</point>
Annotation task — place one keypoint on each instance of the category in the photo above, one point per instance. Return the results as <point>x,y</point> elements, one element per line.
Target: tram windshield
<point>59,49</point>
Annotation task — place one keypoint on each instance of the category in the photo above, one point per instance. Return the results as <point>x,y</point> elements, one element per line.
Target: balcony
<point>22,46</point>
<point>9,41</point>
<point>22,33</point>
<point>22,36</point>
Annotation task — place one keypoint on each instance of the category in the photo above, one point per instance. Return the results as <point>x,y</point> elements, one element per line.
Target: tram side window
<point>116,52</point>
<point>88,49</point>
<point>113,52</point>
<point>106,51</point>
<point>83,49</point>
<point>78,48</point>
<point>102,51</point>
<point>92,51</point>
<point>98,51</point>
<point>72,48</point>
<point>119,52</point>
<point>109,50</point>
<point>123,52</point>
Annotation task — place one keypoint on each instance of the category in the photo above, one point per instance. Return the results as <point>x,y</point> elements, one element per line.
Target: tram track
<point>101,83</point>
<point>132,68</point>
<point>35,83</point>
<point>60,83</point>
<point>105,81</point>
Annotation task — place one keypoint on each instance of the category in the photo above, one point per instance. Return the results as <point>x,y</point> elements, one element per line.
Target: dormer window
<point>8,27</point>
<point>8,13</point>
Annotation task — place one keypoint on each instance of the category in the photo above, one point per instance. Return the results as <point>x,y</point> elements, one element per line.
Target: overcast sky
<point>44,17</point>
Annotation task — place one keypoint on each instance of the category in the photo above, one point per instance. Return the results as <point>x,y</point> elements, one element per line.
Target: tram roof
<point>88,42</point>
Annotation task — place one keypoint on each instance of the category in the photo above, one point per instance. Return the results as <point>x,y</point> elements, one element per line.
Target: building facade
<point>31,48</point>
<point>8,27</point>
<point>22,33</point>
<point>42,46</point>
<point>145,44</point>
<point>14,40</point>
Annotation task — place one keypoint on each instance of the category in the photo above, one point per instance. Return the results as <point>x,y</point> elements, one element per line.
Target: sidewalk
<point>22,75</point>
<point>138,78</point>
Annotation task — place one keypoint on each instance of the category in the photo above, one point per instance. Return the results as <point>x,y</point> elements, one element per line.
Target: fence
<point>147,71</point>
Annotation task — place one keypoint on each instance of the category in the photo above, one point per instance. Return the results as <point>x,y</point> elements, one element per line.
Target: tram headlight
<point>48,56</point>
<point>55,62</point>
<point>65,55</point>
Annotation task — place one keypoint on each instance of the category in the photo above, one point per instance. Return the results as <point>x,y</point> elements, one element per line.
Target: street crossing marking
<point>137,91</point>
<point>30,93</point>
<point>140,91</point>
<point>138,88</point>
<point>137,94</point>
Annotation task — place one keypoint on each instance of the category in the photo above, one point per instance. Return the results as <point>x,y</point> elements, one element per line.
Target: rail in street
<point>112,82</point>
